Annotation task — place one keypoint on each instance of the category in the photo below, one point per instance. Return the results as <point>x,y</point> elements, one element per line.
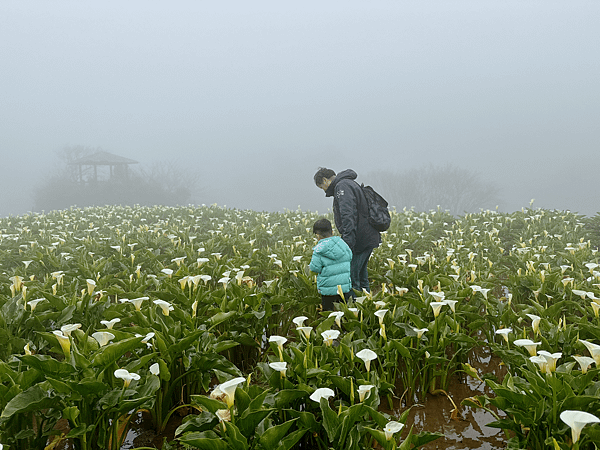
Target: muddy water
<point>466,430</point>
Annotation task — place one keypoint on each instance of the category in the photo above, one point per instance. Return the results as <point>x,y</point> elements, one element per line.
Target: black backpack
<point>379,216</point>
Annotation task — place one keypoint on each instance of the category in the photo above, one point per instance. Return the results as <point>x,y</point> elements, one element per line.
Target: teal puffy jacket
<point>331,261</point>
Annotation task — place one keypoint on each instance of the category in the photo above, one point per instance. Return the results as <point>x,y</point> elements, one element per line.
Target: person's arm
<point>316,265</point>
<point>348,207</point>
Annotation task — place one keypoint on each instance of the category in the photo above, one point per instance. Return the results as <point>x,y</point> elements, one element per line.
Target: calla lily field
<point>213,314</point>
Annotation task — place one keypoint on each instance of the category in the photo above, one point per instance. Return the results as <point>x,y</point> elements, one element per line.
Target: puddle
<point>142,433</point>
<point>469,431</point>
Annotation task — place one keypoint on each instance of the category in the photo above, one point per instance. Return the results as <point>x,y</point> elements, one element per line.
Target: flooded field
<point>465,430</point>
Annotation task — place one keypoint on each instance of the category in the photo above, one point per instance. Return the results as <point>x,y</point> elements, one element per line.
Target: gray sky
<point>255,96</point>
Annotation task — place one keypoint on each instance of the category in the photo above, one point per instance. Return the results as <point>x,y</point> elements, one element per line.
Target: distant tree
<point>456,189</point>
<point>66,156</point>
<point>163,183</point>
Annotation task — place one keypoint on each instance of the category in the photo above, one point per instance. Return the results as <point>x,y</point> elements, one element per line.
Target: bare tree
<point>451,188</point>
<point>171,178</point>
<point>69,154</point>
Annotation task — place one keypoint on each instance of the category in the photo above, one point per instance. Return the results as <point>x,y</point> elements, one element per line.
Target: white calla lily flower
<point>504,333</point>
<point>551,359</point>
<point>305,331</point>
<point>439,296</point>
<point>420,332</point>
<point>33,303</point>
<point>229,387</point>
<point>279,340</point>
<point>137,302</point>
<point>103,337</point>
<point>363,390</point>
<point>594,350</point>
<point>165,306</point>
<point>280,366</point>
<point>535,322</point>
<point>367,356</point>
<point>320,393</point>
<point>299,321</point>
<point>451,304</point>
<point>338,317</point>
<point>529,345</point>
<point>381,314</point>
<point>541,362</point>
<point>584,363</point>
<point>436,306</point>
<point>155,369</point>
<point>392,428</point>
<point>91,285</point>
<point>110,323</point>
<point>577,420</point>
<point>69,328</point>
<point>64,341</point>
<point>126,376</point>
<point>329,336</point>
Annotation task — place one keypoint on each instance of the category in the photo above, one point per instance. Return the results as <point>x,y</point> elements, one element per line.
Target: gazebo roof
<point>103,158</point>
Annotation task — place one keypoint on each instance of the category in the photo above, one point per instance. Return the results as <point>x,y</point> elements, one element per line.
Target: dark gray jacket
<point>350,213</point>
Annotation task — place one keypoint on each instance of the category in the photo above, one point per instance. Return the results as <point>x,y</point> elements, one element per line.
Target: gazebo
<point>117,165</point>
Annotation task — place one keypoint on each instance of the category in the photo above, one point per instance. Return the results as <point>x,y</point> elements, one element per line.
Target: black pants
<point>328,300</point>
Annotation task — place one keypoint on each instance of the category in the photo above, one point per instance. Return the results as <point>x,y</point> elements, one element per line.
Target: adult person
<point>350,213</point>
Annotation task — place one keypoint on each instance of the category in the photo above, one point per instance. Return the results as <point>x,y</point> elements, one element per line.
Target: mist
<point>255,96</point>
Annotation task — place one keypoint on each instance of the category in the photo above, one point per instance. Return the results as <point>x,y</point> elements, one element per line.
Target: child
<point>331,261</point>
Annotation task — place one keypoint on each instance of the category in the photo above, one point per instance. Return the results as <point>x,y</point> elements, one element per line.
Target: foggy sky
<point>255,96</point>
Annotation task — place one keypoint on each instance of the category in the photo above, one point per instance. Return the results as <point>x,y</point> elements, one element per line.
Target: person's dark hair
<point>323,173</point>
<point>322,227</point>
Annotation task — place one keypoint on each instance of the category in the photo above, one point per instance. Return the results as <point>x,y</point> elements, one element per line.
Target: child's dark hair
<point>322,227</point>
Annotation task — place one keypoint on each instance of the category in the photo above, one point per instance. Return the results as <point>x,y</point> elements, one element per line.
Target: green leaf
<point>225,345</point>
<point>379,436</point>
<point>258,401</point>
<point>59,386</point>
<point>210,404</point>
<point>250,419</point>
<point>33,399</point>
<point>331,421</point>
<point>111,353</point>
<point>110,399</point>
<point>305,420</point>
<point>88,386</point>
<point>71,413</point>
<point>48,365</point>
<point>349,417</point>
<point>220,317</point>
<point>287,396</point>
<point>271,437</point>
<point>183,344</point>
<point>242,400</point>
<point>291,440</point>
<point>404,352</point>
<point>80,431</point>
<point>236,440</point>
<point>426,437</point>
<point>207,440</point>
<point>203,422</point>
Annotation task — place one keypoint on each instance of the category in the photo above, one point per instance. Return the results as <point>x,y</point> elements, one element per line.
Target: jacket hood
<point>348,174</point>
<point>332,247</point>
